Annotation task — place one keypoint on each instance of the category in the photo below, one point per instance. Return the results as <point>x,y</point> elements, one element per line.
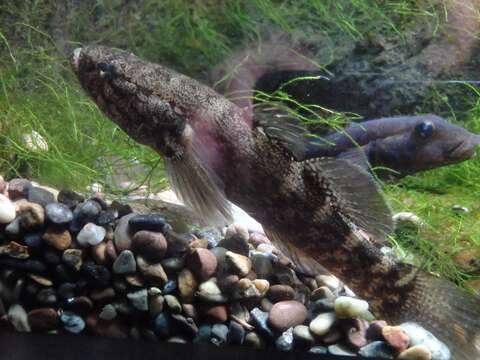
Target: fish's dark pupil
<point>105,67</point>
<point>424,129</point>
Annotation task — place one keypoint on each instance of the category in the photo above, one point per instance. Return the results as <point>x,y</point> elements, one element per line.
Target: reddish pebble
<point>18,188</point>
<point>152,245</point>
<point>43,319</point>
<point>111,251</point>
<point>214,314</point>
<point>203,263</point>
<point>396,337</point>
<point>285,314</point>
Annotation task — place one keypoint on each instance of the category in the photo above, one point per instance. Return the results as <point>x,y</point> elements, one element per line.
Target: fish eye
<point>105,68</point>
<point>425,129</point>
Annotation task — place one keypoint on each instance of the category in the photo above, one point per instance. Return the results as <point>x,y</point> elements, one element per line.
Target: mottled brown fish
<point>214,151</point>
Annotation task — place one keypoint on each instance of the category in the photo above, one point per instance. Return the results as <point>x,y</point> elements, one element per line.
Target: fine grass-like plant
<point>39,93</point>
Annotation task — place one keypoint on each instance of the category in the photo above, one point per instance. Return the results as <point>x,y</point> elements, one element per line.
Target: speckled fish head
<point>135,94</point>
<point>431,142</point>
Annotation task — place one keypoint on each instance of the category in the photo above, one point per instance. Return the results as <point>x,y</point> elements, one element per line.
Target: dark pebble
<point>318,350</point>
<point>262,265</point>
<point>278,293</point>
<point>170,287</point>
<point>66,290</point>
<point>235,243</point>
<point>98,198</point>
<point>173,264</point>
<point>374,331</point>
<point>13,229</point>
<point>285,341</point>
<point>87,211</point>
<point>107,217</point>
<point>378,350</point>
<point>149,335</point>
<point>51,256</point>
<point>150,222</point>
<point>177,243</point>
<point>40,196</point>
<point>185,326</point>
<point>64,274</point>
<point>340,349</point>
<point>33,240</point>
<point>204,334</point>
<point>103,295</point>
<point>47,296</point>
<point>72,322</point>
<point>70,198</point>
<point>161,325</point>
<point>260,321</point>
<point>123,209</point>
<point>97,275</point>
<point>219,334</point>
<point>323,305</point>
<point>29,265</point>
<point>125,263</point>
<point>236,333</point>
<point>58,213</point>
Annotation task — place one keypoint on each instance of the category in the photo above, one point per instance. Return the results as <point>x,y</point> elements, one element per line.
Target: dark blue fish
<point>395,146</point>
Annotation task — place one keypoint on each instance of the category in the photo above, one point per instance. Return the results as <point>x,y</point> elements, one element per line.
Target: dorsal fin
<point>281,126</point>
<point>357,192</point>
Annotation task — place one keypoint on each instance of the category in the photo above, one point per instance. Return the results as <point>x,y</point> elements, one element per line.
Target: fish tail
<point>449,312</point>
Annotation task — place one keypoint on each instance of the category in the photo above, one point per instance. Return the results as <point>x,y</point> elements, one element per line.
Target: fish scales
<point>311,209</point>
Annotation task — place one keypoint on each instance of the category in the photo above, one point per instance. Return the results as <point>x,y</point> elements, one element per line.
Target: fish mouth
<point>463,150</point>
<point>76,58</point>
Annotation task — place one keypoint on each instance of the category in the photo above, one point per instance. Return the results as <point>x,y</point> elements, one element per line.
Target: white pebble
<point>7,210</point>
<point>330,281</point>
<point>322,323</point>
<point>34,141</point>
<point>420,336</point>
<point>18,318</point>
<point>403,218</point>
<point>348,307</point>
<point>91,234</point>
<point>266,248</point>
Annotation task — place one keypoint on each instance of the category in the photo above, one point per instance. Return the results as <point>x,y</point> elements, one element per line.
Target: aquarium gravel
<point>91,266</point>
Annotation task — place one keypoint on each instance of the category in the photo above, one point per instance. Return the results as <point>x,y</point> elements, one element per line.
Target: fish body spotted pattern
<point>215,152</point>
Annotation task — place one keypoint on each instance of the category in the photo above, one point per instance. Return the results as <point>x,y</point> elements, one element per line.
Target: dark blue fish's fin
<point>358,194</point>
<point>304,264</point>
<point>282,127</point>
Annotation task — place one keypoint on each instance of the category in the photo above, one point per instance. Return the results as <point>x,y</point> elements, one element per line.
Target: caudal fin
<point>449,312</point>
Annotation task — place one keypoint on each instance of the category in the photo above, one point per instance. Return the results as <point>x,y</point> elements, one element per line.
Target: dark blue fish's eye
<point>425,129</point>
